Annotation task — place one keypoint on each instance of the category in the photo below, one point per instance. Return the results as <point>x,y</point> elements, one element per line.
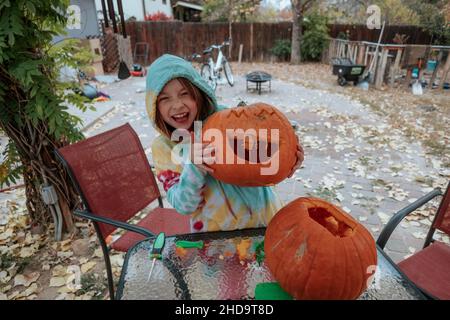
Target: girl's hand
<point>300,158</point>
<point>202,155</point>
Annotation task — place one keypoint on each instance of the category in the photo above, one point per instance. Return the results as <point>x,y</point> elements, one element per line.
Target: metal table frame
<point>230,234</point>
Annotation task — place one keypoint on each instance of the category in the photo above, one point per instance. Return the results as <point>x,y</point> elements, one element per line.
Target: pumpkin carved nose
<point>253,150</point>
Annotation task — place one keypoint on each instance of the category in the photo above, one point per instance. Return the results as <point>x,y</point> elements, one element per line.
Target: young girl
<point>176,97</point>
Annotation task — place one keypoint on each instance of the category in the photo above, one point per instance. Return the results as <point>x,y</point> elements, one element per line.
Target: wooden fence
<point>257,39</point>
<point>184,39</point>
<point>386,61</point>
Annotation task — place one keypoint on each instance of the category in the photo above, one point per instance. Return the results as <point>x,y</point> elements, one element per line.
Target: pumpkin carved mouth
<point>331,223</point>
<point>247,149</point>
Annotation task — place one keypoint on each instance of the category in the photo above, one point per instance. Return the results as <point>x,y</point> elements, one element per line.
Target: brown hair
<point>204,106</point>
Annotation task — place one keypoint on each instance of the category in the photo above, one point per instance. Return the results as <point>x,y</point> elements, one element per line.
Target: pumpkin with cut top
<point>317,251</point>
<point>255,145</point>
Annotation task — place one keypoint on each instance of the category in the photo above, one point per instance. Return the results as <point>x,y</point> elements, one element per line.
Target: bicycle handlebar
<point>219,46</point>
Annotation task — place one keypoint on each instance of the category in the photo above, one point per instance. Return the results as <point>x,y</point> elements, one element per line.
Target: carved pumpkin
<point>317,251</point>
<point>255,145</point>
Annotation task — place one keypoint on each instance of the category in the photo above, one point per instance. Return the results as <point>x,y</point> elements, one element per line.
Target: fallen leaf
<point>383,217</point>
<point>32,289</point>
<point>5,288</point>
<point>27,252</point>
<point>4,277</point>
<point>88,266</point>
<point>7,234</point>
<point>117,260</point>
<point>65,245</point>
<point>59,271</point>
<point>98,253</point>
<point>3,296</point>
<point>57,281</point>
<point>64,255</point>
<point>13,295</point>
<point>26,280</point>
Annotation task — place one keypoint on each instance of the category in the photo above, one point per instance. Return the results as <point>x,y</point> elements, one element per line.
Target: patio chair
<point>115,182</point>
<point>428,269</point>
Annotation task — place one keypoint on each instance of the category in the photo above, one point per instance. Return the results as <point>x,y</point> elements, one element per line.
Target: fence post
<point>230,37</point>
<point>361,52</point>
<point>445,73</point>
<point>394,69</point>
<point>381,68</point>
<point>241,46</point>
<point>251,42</point>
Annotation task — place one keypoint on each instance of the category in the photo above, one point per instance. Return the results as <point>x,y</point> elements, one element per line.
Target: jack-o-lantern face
<point>255,145</point>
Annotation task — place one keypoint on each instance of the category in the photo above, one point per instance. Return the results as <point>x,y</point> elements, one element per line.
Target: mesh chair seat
<point>429,269</point>
<point>159,220</point>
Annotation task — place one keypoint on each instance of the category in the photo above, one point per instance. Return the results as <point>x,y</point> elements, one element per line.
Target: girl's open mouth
<point>181,117</point>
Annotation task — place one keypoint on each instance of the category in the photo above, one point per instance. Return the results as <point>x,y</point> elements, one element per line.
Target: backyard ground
<point>370,152</point>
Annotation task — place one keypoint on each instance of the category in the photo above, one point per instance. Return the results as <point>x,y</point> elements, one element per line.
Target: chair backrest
<point>442,220</point>
<point>112,174</point>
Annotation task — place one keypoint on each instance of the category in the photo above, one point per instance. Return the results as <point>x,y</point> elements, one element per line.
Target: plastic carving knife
<point>156,253</point>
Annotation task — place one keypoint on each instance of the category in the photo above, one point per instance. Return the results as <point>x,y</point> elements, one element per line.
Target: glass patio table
<point>226,268</point>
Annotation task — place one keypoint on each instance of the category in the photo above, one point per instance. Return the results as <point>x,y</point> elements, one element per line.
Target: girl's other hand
<point>300,158</point>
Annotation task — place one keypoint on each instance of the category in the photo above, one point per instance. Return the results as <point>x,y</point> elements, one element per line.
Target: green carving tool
<point>189,244</point>
<point>156,253</point>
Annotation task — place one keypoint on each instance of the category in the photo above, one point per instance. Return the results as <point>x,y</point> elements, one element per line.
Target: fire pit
<point>257,80</point>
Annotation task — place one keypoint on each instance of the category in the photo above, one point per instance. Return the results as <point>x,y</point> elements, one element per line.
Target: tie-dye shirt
<point>225,206</point>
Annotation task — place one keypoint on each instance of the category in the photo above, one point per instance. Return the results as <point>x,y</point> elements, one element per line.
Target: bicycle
<point>212,71</point>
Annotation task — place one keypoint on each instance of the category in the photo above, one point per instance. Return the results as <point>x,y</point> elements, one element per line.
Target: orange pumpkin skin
<point>252,117</point>
<point>317,251</point>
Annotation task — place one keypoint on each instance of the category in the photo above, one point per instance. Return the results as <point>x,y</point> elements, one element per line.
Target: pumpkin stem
<point>242,103</point>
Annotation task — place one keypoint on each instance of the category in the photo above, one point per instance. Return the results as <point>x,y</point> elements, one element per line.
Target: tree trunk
<point>299,7</point>
<point>36,148</point>
<point>295,43</point>
<point>297,18</point>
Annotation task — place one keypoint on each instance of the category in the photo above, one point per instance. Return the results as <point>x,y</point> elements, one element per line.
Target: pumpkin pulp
<point>331,222</point>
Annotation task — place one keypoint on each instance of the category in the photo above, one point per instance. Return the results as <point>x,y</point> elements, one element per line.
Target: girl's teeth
<point>179,116</point>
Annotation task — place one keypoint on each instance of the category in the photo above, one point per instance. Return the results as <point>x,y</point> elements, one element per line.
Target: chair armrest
<point>400,215</point>
<point>123,225</point>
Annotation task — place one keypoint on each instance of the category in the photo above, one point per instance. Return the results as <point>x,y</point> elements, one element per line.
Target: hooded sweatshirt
<point>226,206</point>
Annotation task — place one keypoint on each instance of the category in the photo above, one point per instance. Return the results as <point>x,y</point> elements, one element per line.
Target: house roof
<point>193,4</point>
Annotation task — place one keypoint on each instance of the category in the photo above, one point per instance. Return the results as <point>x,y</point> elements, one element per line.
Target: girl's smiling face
<point>177,106</point>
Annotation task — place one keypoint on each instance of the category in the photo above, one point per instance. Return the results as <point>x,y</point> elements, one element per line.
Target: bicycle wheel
<point>207,75</point>
<point>228,72</point>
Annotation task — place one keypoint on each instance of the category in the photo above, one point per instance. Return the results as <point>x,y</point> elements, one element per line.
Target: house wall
<point>134,8</point>
<point>87,25</point>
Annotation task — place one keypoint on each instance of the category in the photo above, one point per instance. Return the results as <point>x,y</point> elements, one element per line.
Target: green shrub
<point>315,36</point>
<point>282,49</point>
